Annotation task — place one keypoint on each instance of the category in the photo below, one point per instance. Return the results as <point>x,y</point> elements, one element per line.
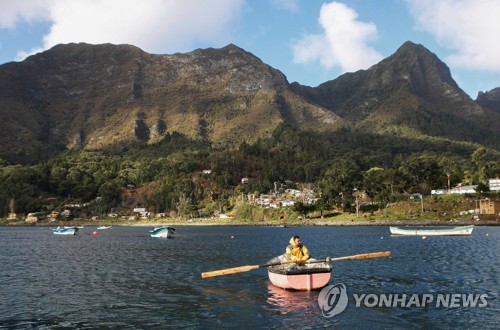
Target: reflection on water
<point>296,309</point>
<point>288,301</point>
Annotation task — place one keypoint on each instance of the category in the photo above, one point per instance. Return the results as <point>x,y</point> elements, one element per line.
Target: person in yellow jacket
<point>296,251</point>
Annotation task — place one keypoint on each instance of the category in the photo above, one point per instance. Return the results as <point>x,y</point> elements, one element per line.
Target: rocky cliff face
<point>96,96</point>
<point>411,92</point>
<point>490,100</point>
<point>80,95</point>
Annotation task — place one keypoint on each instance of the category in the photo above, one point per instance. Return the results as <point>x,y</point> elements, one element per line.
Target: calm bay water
<point>124,279</point>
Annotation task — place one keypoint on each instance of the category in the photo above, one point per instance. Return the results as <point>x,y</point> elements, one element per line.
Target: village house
<point>143,214</point>
<point>489,206</point>
<point>463,189</point>
<point>288,203</point>
<point>32,217</point>
<point>494,184</point>
<point>66,213</point>
<point>52,217</point>
<point>288,199</point>
<point>275,204</point>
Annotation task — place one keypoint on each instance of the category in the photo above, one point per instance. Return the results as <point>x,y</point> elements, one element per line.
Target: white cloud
<point>468,27</point>
<point>343,43</point>
<point>12,12</point>
<point>156,26</point>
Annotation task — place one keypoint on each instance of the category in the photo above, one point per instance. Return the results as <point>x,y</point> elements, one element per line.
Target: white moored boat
<point>65,231</point>
<point>432,231</point>
<point>164,232</point>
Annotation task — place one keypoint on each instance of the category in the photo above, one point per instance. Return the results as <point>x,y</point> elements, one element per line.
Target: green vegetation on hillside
<point>168,176</point>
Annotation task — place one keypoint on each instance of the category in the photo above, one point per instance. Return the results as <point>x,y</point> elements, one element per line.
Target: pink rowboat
<point>307,277</point>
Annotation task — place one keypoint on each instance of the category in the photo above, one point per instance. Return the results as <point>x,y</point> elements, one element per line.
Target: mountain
<point>116,96</point>
<point>409,93</point>
<point>490,100</point>
<point>101,95</point>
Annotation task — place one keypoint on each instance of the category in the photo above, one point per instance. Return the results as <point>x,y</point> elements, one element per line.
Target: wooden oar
<point>356,256</point>
<point>243,269</point>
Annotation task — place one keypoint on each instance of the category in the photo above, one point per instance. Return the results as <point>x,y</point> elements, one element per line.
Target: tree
<point>487,163</point>
<point>339,181</point>
<point>110,195</point>
<point>378,183</point>
<point>482,188</point>
<point>303,208</point>
<point>424,172</point>
<point>185,206</point>
<point>322,205</point>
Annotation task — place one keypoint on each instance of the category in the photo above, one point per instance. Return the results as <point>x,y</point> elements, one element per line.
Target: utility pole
<point>357,201</point>
<point>422,199</point>
<point>342,195</point>
<point>357,206</point>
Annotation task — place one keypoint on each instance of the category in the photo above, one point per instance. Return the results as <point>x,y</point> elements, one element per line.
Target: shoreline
<point>307,223</point>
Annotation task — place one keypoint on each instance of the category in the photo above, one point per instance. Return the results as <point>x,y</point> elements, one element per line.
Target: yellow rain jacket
<point>295,252</point>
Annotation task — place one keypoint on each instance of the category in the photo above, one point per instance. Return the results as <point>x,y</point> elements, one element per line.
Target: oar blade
<point>364,256</point>
<point>229,271</point>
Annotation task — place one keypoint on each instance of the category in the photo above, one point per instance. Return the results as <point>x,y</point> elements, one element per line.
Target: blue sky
<point>310,41</point>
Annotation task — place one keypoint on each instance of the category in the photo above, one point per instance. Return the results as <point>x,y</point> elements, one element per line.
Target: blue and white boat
<point>65,231</point>
<point>164,232</point>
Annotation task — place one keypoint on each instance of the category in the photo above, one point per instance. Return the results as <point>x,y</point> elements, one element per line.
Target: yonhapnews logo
<point>333,300</point>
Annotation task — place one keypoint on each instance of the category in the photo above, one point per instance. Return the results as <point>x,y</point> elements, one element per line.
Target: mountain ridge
<point>411,89</point>
<point>96,96</point>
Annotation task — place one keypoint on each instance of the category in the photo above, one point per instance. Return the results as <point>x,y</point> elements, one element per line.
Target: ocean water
<point>124,279</point>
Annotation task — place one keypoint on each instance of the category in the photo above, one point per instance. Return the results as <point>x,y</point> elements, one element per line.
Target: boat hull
<point>307,277</point>
<point>65,231</point>
<point>164,232</point>
<point>302,282</point>
<point>454,231</point>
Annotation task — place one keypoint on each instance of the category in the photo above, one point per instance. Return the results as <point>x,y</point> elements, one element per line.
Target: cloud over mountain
<point>344,42</point>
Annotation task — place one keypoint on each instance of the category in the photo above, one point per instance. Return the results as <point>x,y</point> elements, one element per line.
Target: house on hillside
<point>33,217</point>
<point>488,206</point>
<point>53,216</point>
<point>494,184</point>
<point>142,212</point>
<point>469,189</point>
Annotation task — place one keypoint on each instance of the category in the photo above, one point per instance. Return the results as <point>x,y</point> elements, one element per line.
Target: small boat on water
<point>307,277</point>
<point>432,231</point>
<point>65,231</point>
<point>164,232</point>
<point>104,227</point>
